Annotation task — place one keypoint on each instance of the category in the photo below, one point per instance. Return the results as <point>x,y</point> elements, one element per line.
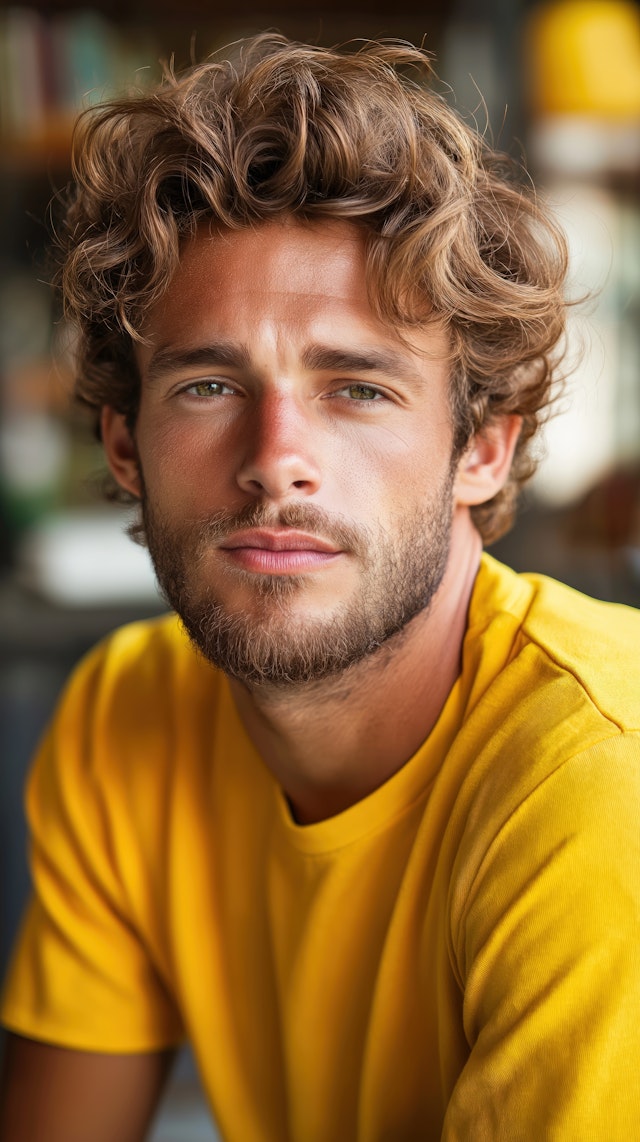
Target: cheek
<point>368,485</point>
<point>182,463</point>
<point>401,467</point>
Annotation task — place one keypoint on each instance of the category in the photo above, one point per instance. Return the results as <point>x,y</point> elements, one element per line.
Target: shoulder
<point>588,648</point>
<point>141,649</point>
<point>135,705</point>
<point>145,666</point>
<point>549,755</point>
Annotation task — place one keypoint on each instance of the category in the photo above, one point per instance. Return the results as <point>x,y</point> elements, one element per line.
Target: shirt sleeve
<point>547,947</point>
<point>81,974</point>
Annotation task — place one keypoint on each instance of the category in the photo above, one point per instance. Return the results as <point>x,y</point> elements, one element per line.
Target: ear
<point>484,466</point>
<point>120,449</point>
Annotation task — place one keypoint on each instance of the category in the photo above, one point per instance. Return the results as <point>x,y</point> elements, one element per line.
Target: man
<point>367,835</point>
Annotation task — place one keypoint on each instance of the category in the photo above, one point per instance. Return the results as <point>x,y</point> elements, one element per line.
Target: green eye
<point>362,392</point>
<point>206,388</point>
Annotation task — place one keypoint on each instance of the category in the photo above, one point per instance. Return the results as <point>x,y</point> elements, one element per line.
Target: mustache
<point>302,517</point>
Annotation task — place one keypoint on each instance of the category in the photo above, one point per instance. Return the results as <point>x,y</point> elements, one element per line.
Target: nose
<point>279,449</point>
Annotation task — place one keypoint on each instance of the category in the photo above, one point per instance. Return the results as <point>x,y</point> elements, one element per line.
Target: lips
<point>267,539</point>
<point>275,551</point>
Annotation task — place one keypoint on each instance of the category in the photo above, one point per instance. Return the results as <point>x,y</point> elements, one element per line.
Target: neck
<point>332,743</point>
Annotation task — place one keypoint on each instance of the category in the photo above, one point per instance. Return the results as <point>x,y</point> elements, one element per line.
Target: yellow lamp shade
<point>584,58</point>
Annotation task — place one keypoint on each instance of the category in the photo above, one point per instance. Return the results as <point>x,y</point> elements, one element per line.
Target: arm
<point>547,944</point>
<point>68,1096</point>
<point>88,973</point>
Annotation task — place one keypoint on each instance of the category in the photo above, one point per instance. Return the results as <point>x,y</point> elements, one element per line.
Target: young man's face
<point>293,454</point>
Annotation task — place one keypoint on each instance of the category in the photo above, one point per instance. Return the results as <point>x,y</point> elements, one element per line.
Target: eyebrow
<point>359,361</point>
<point>233,355</point>
<point>227,353</point>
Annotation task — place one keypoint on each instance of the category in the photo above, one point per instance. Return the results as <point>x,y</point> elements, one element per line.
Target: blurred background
<point>555,82</point>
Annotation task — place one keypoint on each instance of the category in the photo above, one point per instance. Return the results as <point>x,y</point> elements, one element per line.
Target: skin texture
<point>54,1095</point>
<point>247,402</point>
<point>356,464</point>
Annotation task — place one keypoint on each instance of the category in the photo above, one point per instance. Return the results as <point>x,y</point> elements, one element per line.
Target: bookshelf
<point>56,58</point>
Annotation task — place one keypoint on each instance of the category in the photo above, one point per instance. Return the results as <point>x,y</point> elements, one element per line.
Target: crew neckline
<point>391,800</point>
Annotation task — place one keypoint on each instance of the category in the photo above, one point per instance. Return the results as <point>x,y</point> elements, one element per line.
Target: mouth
<point>279,551</point>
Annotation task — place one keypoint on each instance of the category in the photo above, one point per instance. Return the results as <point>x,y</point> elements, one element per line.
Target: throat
<point>331,745</point>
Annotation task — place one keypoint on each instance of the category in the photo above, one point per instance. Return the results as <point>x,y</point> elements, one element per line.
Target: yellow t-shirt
<point>457,956</point>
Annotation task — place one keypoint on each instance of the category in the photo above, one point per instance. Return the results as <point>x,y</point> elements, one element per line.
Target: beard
<point>268,643</point>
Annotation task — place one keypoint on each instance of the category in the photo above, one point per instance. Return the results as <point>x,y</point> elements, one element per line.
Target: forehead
<point>286,279</point>
<point>326,257</point>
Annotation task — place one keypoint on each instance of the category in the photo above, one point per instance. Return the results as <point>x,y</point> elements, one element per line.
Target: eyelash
<point>376,394</point>
<point>189,389</point>
<point>368,388</point>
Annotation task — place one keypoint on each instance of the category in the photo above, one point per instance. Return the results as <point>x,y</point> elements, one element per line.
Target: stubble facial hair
<point>269,644</point>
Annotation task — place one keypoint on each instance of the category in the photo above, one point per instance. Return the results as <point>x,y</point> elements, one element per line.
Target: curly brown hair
<point>360,135</point>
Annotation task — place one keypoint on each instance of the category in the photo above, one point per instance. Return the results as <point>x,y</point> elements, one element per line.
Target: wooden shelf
<point>49,146</point>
